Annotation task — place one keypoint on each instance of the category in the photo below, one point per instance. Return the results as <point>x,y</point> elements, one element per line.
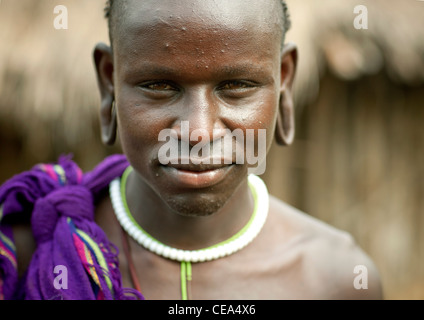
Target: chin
<point>196,205</point>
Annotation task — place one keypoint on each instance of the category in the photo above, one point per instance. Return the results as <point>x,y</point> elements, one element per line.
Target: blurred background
<point>358,159</point>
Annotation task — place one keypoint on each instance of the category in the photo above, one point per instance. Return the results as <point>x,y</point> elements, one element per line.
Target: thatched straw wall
<point>47,79</point>
<point>358,159</point>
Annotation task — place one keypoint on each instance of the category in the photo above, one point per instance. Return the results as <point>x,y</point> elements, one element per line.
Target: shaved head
<point>273,13</point>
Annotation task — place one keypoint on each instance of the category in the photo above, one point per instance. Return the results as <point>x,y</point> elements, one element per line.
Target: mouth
<point>196,175</point>
<point>201,167</point>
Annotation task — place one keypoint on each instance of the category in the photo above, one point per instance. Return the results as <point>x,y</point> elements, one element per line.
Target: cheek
<point>138,131</point>
<point>258,125</point>
<point>264,118</point>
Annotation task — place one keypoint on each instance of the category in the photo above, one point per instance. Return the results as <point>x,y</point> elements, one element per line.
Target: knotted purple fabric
<point>61,202</point>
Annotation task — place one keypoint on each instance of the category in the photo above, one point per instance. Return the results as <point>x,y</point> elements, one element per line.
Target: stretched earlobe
<point>103,61</point>
<point>109,123</point>
<point>285,126</point>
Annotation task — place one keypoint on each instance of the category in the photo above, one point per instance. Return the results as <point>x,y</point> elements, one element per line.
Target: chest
<point>242,276</point>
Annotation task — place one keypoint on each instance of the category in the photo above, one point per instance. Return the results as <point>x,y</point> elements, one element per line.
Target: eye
<point>158,90</point>
<point>236,85</point>
<point>158,86</point>
<point>237,89</point>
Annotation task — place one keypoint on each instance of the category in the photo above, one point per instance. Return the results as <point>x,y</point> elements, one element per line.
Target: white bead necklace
<point>222,249</point>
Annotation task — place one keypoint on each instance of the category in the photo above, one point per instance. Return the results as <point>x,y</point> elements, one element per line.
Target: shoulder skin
<point>327,263</point>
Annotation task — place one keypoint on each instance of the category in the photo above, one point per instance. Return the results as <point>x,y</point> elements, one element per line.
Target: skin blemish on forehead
<point>206,47</point>
<point>217,17</point>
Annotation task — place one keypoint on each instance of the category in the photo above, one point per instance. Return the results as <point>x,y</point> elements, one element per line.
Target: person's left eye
<point>158,86</point>
<point>235,85</point>
<point>237,89</point>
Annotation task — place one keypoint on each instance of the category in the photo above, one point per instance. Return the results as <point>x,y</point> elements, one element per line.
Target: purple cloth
<point>58,205</point>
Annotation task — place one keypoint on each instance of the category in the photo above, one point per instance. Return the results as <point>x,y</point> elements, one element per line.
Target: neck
<point>187,232</point>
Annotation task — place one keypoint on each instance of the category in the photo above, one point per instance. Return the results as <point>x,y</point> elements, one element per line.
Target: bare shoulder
<point>330,263</point>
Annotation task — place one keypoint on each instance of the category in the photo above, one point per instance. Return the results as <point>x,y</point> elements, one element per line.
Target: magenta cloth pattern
<point>60,201</point>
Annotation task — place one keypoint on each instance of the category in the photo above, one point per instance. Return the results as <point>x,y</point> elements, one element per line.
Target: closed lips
<point>198,167</point>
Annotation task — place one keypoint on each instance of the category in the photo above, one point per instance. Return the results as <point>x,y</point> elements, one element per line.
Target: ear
<point>285,127</point>
<point>103,60</point>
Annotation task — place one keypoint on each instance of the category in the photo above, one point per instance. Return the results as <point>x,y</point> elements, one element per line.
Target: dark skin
<point>218,65</point>
<point>160,76</point>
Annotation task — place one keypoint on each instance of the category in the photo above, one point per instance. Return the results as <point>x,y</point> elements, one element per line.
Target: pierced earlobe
<point>285,127</point>
<point>109,129</point>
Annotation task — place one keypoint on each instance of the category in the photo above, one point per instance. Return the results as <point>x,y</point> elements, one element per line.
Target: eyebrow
<point>239,69</point>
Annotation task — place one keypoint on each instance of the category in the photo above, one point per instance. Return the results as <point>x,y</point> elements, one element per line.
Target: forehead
<point>251,16</point>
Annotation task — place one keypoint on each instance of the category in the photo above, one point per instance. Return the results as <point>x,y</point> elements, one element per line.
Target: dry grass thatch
<point>47,77</point>
<point>328,40</point>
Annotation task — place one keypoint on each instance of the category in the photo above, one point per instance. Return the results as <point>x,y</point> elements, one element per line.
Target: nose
<point>199,118</point>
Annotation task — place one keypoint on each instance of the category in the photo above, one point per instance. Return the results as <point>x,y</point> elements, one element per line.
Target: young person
<point>193,227</point>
